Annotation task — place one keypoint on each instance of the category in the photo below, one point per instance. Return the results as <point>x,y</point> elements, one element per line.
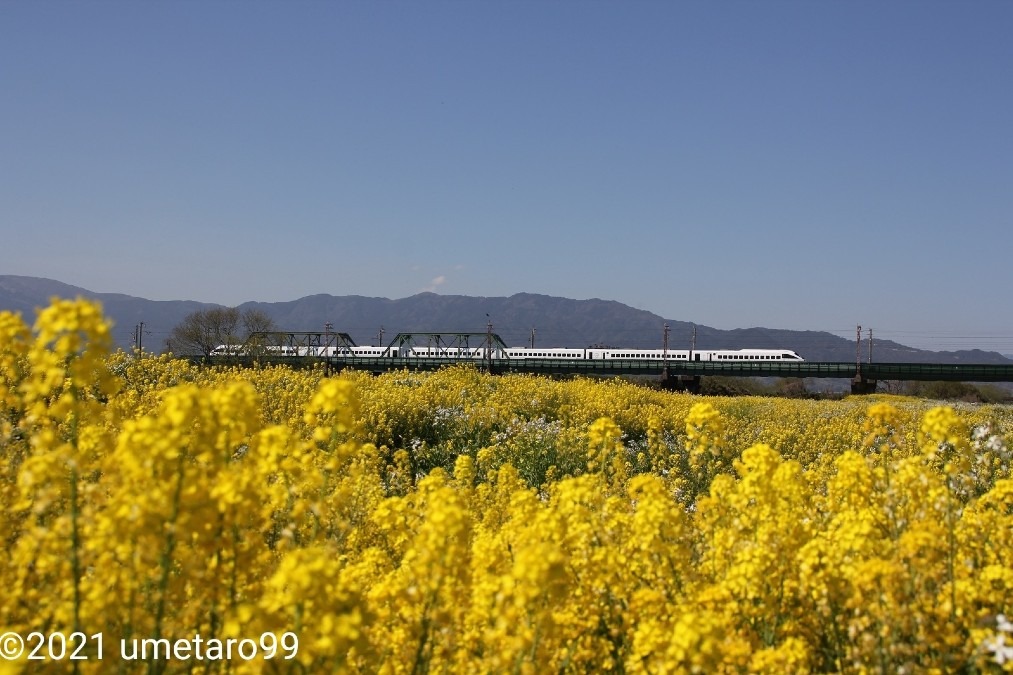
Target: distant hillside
<point>556,321</point>
<point>25,294</point>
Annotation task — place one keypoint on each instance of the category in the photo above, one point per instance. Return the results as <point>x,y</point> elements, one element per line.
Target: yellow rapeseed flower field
<point>162,517</point>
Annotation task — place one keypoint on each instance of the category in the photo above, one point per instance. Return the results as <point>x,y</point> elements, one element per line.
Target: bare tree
<point>201,332</point>
<point>257,321</point>
<point>260,331</point>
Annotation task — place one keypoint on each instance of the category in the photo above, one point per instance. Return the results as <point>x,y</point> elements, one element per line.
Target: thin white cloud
<point>434,284</point>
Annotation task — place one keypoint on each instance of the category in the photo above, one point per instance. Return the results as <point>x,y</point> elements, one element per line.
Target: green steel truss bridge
<point>487,352</point>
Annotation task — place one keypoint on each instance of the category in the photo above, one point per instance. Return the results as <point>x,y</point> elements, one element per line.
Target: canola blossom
<point>457,522</point>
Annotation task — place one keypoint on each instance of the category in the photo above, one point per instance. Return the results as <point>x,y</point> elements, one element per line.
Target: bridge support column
<point>689,383</point>
<point>860,385</point>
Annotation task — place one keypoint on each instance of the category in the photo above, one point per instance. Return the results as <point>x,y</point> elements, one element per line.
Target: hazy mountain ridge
<point>557,322</point>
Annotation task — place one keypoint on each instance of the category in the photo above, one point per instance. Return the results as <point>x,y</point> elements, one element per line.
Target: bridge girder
<point>292,339</point>
<point>447,343</point>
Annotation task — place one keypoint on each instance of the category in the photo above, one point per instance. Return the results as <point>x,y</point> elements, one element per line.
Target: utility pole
<point>532,338</point>
<point>692,344</point>
<point>327,327</point>
<point>379,338</point>
<point>139,337</point>
<point>870,346</point>
<point>858,351</point>
<point>488,341</point>
<point>665,352</point>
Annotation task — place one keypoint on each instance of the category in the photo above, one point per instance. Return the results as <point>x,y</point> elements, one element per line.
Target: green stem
<point>166,562</point>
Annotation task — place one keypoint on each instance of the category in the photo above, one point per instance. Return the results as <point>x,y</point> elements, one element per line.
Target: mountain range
<point>550,321</point>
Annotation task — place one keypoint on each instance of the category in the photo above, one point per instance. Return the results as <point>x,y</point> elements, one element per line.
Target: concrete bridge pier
<point>688,383</point>
<point>860,385</point>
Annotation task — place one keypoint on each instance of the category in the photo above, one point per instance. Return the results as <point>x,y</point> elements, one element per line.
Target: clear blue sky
<point>805,165</point>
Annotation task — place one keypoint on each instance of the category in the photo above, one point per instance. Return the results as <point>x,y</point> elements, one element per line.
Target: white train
<point>656,354</point>
<point>522,353</point>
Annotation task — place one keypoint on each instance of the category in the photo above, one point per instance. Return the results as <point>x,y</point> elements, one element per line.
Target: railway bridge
<point>686,375</point>
<point>442,349</point>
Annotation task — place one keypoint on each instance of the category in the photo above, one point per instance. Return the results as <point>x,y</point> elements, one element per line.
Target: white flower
<point>1001,651</point>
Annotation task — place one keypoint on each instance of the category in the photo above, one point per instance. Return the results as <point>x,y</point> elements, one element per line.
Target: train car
<point>549,353</point>
<point>228,350</point>
<point>649,354</point>
<point>373,352</point>
<point>752,355</point>
<point>452,353</point>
